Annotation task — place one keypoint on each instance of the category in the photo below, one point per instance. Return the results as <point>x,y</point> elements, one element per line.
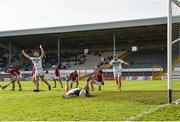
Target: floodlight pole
<point>114,43</point>
<point>58,51</point>
<point>169,51</point>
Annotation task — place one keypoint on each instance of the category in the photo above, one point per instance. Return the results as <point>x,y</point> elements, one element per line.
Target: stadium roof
<point>141,32</point>
<point>86,27</point>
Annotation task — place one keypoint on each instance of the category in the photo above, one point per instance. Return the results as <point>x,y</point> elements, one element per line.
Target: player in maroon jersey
<point>97,78</point>
<point>15,76</point>
<point>57,76</point>
<point>73,77</point>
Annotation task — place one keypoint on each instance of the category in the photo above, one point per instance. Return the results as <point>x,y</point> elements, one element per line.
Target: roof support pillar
<point>10,53</point>
<point>114,43</point>
<point>58,51</point>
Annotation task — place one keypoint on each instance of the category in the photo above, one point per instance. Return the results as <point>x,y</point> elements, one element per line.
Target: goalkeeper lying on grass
<point>82,92</point>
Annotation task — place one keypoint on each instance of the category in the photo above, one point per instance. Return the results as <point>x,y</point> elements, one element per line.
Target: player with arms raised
<point>37,62</point>
<point>117,69</point>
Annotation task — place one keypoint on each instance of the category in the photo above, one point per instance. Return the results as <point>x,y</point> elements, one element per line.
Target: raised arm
<point>102,65</point>
<point>25,54</point>
<point>86,86</point>
<point>125,63</point>
<point>107,66</point>
<point>42,52</point>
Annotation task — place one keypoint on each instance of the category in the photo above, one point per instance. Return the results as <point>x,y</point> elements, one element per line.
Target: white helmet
<point>82,93</point>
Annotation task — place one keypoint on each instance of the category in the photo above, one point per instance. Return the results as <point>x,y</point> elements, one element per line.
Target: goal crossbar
<point>176,2</point>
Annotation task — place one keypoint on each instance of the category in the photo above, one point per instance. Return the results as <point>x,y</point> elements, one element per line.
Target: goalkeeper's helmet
<point>84,93</point>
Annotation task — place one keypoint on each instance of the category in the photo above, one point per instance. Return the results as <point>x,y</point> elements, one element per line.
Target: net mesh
<point>175,48</point>
<point>175,36</point>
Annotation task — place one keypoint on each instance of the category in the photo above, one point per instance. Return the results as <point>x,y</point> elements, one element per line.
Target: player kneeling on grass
<point>57,76</point>
<point>82,92</point>
<point>15,77</point>
<point>97,78</point>
<point>39,73</point>
<point>117,69</point>
<point>73,77</point>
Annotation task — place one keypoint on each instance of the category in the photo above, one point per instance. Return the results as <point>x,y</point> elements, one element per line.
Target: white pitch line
<point>147,112</point>
<point>176,101</point>
<point>150,111</point>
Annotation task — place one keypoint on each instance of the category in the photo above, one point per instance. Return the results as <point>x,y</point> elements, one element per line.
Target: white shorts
<point>117,73</point>
<point>39,72</point>
<point>97,82</point>
<point>56,78</point>
<point>71,81</point>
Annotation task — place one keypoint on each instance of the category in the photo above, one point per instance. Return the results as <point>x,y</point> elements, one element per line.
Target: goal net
<point>174,48</point>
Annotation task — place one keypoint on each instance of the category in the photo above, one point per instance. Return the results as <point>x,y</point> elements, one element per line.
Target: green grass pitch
<point>136,97</point>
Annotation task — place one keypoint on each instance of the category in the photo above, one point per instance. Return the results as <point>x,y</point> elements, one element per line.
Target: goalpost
<point>173,42</point>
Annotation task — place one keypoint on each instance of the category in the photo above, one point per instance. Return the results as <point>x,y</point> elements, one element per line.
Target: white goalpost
<point>173,42</point>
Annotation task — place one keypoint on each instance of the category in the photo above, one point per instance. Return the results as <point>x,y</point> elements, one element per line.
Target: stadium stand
<point>79,61</point>
<point>146,58</point>
<point>90,61</point>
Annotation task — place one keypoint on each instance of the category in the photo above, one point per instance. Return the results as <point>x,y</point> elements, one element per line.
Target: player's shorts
<point>16,77</point>
<point>39,72</point>
<point>73,80</point>
<point>117,73</point>
<point>99,83</point>
<point>56,78</point>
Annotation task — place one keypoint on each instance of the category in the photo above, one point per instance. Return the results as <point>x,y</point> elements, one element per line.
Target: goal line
<point>153,110</point>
